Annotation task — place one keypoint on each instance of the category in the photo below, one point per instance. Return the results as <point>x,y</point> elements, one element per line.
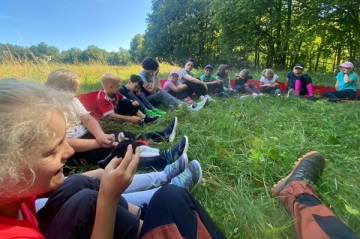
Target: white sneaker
<point>199,105</point>
<point>278,92</point>
<point>244,97</point>
<point>210,99</point>
<point>201,97</point>
<point>291,92</point>
<point>254,95</point>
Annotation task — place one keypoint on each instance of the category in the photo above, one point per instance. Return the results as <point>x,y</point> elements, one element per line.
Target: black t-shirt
<point>241,81</point>
<point>123,90</point>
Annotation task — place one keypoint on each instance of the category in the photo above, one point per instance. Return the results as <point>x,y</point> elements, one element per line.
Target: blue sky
<point>108,24</point>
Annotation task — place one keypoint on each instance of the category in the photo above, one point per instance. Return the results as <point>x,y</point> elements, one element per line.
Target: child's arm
<point>337,85</point>
<point>286,83</point>
<point>194,80</point>
<point>105,140</point>
<point>132,118</point>
<point>83,145</point>
<point>116,178</point>
<point>176,88</point>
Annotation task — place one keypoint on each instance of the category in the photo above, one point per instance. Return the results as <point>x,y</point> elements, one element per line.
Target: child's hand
<point>138,92</point>
<point>135,103</point>
<point>105,140</point>
<point>156,72</point>
<point>183,86</point>
<point>206,88</point>
<point>147,86</point>
<point>134,119</point>
<point>118,174</point>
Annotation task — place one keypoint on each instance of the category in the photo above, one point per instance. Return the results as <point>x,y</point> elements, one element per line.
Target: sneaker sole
<point>186,145</point>
<point>173,132</point>
<point>276,189</point>
<point>200,176</point>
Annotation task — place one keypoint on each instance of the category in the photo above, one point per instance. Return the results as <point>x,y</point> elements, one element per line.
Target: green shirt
<point>207,79</point>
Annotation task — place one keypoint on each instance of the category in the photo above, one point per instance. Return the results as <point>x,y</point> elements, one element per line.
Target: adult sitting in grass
<point>269,83</point>
<point>178,90</point>
<point>345,84</point>
<point>34,150</point>
<point>299,83</point>
<point>152,89</point>
<point>131,90</point>
<point>91,144</point>
<point>114,105</point>
<point>194,85</point>
<point>312,219</point>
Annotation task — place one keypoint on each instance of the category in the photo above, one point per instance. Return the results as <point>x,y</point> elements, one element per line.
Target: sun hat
<point>299,65</point>
<point>347,64</point>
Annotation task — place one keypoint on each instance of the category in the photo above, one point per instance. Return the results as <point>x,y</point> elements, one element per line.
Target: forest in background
<point>242,33</point>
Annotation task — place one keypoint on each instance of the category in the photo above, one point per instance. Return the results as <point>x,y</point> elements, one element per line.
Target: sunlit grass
<point>246,146</point>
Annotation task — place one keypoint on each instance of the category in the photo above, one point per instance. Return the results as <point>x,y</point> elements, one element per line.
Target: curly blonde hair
<point>63,79</point>
<point>25,110</point>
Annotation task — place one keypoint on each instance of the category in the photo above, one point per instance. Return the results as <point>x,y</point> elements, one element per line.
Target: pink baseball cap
<point>174,72</point>
<point>347,64</point>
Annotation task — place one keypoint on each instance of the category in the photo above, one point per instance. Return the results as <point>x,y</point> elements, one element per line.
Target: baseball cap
<point>208,66</point>
<point>174,72</point>
<point>347,64</point>
<point>299,65</point>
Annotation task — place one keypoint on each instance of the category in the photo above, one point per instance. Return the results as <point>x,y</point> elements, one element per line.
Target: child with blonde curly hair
<point>269,83</point>
<point>34,150</point>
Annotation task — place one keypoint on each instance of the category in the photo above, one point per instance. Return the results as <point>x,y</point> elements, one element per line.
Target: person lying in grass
<point>89,141</point>
<point>131,90</point>
<point>34,150</point>
<point>114,105</point>
<point>345,87</point>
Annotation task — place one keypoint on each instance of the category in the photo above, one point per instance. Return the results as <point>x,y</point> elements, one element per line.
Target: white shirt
<point>75,129</point>
<point>267,81</point>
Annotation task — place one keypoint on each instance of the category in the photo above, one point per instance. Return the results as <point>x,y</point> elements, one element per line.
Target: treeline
<point>242,33</point>
<point>254,33</point>
<point>43,52</point>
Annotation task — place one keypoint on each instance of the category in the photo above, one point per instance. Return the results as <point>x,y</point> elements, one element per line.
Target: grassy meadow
<point>245,146</point>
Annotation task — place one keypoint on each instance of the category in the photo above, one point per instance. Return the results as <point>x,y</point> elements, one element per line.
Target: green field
<point>245,146</point>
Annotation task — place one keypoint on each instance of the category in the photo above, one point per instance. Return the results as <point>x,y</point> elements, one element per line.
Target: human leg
<point>336,96</point>
<point>162,213</point>
<point>132,96</point>
<point>254,88</point>
<point>163,97</point>
<point>199,90</point>
<point>125,107</point>
<point>312,218</point>
<point>79,223</point>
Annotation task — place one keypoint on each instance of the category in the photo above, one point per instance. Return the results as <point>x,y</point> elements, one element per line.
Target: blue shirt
<point>349,86</point>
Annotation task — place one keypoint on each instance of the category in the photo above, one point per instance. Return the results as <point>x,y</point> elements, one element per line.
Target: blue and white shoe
<point>191,178</point>
<point>177,167</point>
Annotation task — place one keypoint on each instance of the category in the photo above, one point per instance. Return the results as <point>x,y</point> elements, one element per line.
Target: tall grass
<point>246,146</point>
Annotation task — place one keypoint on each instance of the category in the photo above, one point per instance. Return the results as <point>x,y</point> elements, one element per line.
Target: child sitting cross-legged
<point>114,105</point>
<point>131,90</point>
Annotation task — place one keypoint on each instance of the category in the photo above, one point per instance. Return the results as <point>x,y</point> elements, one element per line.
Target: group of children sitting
<point>53,128</point>
<point>136,101</point>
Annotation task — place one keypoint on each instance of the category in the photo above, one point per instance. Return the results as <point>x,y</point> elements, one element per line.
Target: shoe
<point>190,178</point>
<point>244,97</point>
<point>150,119</point>
<point>170,130</point>
<point>177,167</point>
<point>209,98</point>
<point>312,98</point>
<point>254,95</point>
<point>278,92</point>
<point>194,106</point>
<point>200,104</point>
<point>201,97</point>
<point>309,167</point>
<point>159,112</point>
<point>152,113</point>
<point>290,93</point>
<point>174,153</point>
